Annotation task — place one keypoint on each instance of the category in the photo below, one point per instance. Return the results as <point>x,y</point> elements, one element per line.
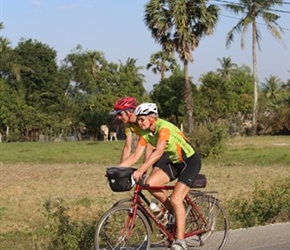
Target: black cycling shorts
<point>185,171</point>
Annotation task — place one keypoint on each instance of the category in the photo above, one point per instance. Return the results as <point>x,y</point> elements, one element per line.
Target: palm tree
<point>272,87</point>
<point>129,72</point>
<point>178,26</point>
<point>252,10</point>
<point>8,66</point>
<point>162,62</point>
<point>227,68</point>
<point>131,69</point>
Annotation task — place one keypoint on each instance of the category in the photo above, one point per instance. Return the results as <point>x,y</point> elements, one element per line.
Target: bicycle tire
<point>111,233</point>
<point>124,201</point>
<point>157,237</point>
<point>218,225</point>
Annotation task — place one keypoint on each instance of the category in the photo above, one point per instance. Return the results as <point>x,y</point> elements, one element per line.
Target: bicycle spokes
<point>118,229</point>
<point>211,228</point>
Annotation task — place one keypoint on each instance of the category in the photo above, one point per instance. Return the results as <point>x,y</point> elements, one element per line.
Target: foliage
<point>275,115</point>
<point>267,205</point>
<point>65,233</point>
<point>241,86</point>
<point>227,68</point>
<point>209,140</point>
<point>179,26</point>
<point>40,100</point>
<point>251,11</point>
<point>168,96</point>
<point>217,99</point>
<point>58,102</point>
<point>161,62</point>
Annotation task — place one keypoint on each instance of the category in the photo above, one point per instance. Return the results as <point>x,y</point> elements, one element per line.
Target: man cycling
<point>173,158</point>
<point>124,111</point>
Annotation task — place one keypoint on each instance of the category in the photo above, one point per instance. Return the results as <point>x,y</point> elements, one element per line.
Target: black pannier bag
<point>200,181</point>
<point>120,178</point>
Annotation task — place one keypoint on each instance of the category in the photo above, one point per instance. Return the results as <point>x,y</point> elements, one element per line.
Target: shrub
<point>268,205</point>
<point>209,140</point>
<point>65,233</point>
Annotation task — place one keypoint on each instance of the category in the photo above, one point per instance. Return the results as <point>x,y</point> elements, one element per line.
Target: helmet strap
<point>150,118</point>
<point>129,114</point>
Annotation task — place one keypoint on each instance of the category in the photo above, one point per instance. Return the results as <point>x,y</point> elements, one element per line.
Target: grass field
<point>31,173</point>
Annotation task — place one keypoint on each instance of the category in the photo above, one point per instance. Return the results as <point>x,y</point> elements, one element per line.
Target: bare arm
<point>155,156</point>
<point>148,152</point>
<point>127,148</point>
<point>133,158</point>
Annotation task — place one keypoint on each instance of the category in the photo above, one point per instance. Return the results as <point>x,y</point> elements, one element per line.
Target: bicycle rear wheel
<point>217,224</point>
<point>112,231</point>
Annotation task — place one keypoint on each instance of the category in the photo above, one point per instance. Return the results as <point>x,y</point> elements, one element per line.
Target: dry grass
<point>25,187</point>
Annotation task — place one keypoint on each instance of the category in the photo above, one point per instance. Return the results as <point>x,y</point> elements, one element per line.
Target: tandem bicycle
<point>131,224</point>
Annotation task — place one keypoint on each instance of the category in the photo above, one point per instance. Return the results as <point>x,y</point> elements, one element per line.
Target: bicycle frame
<point>138,203</point>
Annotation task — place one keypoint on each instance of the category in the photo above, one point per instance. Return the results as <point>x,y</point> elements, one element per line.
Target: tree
<point>178,26</point>
<point>275,118</point>
<point>227,68</point>
<point>168,95</point>
<point>97,83</point>
<point>272,87</point>
<point>85,67</point>
<point>130,79</point>
<point>241,84</point>
<point>252,10</point>
<point>42,89</point>
<point>218,100</point>
<point>162,62</point>
<point>9,68</point>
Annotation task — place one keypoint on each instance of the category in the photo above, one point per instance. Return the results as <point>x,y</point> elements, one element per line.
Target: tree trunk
<point>162,72</point>
<point>188,100</point>
<point>254,55</point>
<point>7,131</point>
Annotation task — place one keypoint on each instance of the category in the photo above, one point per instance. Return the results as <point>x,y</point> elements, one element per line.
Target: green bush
<point>268,205</point>
<point>65,233</point>
<point>209,140</point>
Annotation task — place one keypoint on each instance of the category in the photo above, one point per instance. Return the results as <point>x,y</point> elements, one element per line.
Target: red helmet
<point>124,104</point>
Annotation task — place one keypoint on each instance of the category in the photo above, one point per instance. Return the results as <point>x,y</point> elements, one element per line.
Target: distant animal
<point>113,135</point>
<point>105,132</point>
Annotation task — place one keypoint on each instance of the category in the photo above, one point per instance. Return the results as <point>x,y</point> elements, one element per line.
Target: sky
<point>116,28</point>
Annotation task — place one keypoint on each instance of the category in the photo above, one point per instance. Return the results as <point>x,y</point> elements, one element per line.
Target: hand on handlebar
<point>138,175</point>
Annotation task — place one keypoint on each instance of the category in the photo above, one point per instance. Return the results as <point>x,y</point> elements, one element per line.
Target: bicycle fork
<point>129,224</point>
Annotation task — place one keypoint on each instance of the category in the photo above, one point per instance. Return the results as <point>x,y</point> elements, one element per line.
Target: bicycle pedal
<point>171,219</point>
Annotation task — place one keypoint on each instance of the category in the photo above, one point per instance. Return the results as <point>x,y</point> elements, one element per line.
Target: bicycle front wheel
<point>217,225</point>
<point>118,230</point>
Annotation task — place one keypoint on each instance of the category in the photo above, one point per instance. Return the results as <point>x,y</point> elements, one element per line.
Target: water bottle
<point>154,206</point>
<point>158,211</point>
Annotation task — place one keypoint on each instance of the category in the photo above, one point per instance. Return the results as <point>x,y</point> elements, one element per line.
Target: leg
<point>187,176</point>
<point>176,200</point>
<point>159,178</point>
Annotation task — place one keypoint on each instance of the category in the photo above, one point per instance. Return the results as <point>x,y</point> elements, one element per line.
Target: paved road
<point>270,237</point>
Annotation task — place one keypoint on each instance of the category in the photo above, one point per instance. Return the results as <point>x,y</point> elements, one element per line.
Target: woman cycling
<point>173,158</point>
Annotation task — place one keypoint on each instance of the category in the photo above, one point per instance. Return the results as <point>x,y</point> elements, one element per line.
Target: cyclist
<point>173,158</point>
<point>124,111</point>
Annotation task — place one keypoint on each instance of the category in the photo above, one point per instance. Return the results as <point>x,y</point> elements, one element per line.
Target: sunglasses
<point>141,119</point>
<point>120,114</point>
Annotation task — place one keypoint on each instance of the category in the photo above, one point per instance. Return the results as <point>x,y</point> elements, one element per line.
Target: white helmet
<point>146,109</point>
